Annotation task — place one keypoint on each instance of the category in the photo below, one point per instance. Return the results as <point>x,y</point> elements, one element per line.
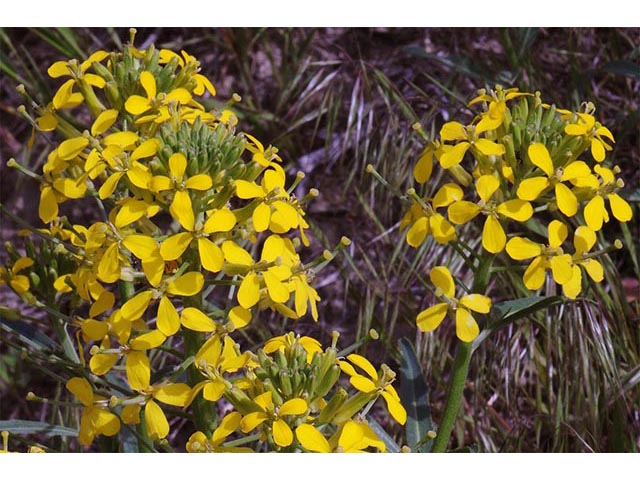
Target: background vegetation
<point>334,100</point>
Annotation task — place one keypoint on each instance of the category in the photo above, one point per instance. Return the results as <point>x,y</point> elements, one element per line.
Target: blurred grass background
<point>335,99</point>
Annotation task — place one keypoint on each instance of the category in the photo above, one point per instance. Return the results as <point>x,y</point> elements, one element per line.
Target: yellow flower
<point>373,382</point>
<point>211,256</point>
<point>154,101</point>
<point>595,212</point>
<point>425,219</point>
<point>531,188</point>
<point>584,239</point>
<point>466,326</point>
<point>595,133</point>
<point>355,437</point>
<point>96,418</point>
<point>199,443</point>
<point>273,416</point>
<point>493,236</point>
<point>544,257</point>
<point>19,283</point>
<point>215,358</point>
<point>466,138</point>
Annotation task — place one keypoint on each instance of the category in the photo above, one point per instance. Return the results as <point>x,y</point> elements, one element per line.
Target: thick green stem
<point>454,396</point>
<point>461,365</point>
<point>204,412</point>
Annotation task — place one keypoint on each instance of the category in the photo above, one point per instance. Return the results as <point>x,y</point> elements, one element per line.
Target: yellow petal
<point>109,266</point>
<point>103,122</point>
<point>94,329</point>
<point>138,176</point>
<point>597,150</point>
<point>247,190</point>
<point>153,268</point>
<point>493,236</point>
<point>476,302</point>
<point>148,82</point>
<point>429,319</point>
<point>142,246</point>
<point>462,212</point>
<point>561,268</point>
<point>168,320</point>
<point>177,165</point>
<point>516,209</point>
<point>160,183</point>
<point>110,184</point>
<point>136,306</point>
<point>240,317</point>
<point>295,406</point>
<point>179,95</point>
<point>441,229</point>
<point>229,424</point>
<point>249,291</point>
<point>619,207</point>
<point>395,408</point>
<point>194,319</point>
<point>424,166</point>
<point>20,284</point>
<point>173,247</point>
<point>131,211</point>
<point>176,394</point>
<point>277,291</point>
<point>146,149</point>
<point>252,420</point>
<point>418,232</point>
<point>211,255</point>
<point>566,200</point>
<point>487,147</point>
<point>121,139</point>
<point>138,370</point>
<point>446,195</point>
<point>130,414</point>
<point>102,363</point>
<point>466,327</point>
<point>154,418</point>
<point>202,84</point>
<point>136,105</point>
<point>235,254</point>
<point>594,269</point>
<point>531,188</point>
<point>487,186</point>
<point>572,288</point>
<point>106,423</point>
<point>261,217</point>
<point>284,218</point>
<point>199,182</point>
<point>213,390</point>
<point>186,285</point>
<point>59,69</point>
<point>520,248</point>
<point>81,389</point>
<point>539,156</point>
<point>594,213</point>
<point>535,273</point>
<point>575,170</point>
<point>181,210</point>
<point>282,434</point>
<point>584,239</point>
<point>148,340</point>
<point>452,131</point>
<point>558,232</point>
<point>364,364</point>
<point>70,188</point>
<point>48,206</point>
<point>311,439</point>
<point>71,148</point>
<point>454,155</point>
<point>222,220</point>
<point>441,277</point>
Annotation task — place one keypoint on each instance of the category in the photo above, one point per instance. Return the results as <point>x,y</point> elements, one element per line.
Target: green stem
<point>454,396</point>
<point>461,365</point>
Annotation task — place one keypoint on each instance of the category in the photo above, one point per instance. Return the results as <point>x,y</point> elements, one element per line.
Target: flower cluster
<point>198,232</point>
<point>527,169</point>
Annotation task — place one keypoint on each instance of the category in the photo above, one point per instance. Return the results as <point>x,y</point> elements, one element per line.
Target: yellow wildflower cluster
<point>524,167</point>
<point>188,207</point>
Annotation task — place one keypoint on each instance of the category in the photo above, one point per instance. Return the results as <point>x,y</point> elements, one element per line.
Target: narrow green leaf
<point>28,427</point>
<point>28,334</point>
<point>414,395</point>
<point>622,67</point>
<point>504,313</point>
